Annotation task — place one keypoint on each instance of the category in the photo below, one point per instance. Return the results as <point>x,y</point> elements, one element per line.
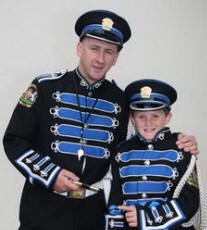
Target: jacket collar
<point>162,134</point>
<point>85,83</point>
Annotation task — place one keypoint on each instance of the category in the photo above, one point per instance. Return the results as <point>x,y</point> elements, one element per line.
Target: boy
<point>159,182</point>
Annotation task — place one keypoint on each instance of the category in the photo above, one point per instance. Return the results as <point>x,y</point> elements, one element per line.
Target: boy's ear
<point>168,118</point>
<point>131,117</point>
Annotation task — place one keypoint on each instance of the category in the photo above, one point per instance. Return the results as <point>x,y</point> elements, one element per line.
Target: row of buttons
<point>146,163</point>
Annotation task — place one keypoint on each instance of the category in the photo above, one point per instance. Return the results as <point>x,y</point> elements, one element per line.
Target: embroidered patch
<point>193,179</point>
<point>29,96</point>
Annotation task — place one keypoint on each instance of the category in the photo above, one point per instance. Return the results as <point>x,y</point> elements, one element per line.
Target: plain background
<point>168,43</point>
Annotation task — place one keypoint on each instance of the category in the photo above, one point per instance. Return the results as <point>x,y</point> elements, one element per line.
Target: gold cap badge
<point>145,92</point>
<point>107,24</point>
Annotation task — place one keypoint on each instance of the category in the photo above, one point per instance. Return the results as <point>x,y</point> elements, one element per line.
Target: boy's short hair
<point>166,110</point>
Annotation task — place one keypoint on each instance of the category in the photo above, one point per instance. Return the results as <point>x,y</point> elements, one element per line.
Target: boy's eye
<point>141,117</point>
<point>155,116</point>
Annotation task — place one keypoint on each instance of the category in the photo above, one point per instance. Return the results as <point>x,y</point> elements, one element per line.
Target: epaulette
<point>51,76</point>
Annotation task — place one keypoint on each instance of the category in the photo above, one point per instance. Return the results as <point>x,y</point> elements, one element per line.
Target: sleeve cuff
<point>160,216</point>
<point>37,168</point>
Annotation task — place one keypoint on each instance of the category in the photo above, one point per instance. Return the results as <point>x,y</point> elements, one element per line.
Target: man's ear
<point>115,58</point>
<point>78,49</point>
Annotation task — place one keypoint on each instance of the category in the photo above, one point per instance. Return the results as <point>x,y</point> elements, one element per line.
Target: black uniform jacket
<point>159,179</point>
<point>58,115</point>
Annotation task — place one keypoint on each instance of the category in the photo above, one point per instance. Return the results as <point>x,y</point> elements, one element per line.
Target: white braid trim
<point>202,221</point>
<point>199,219</point>
<point>185,177</point>
<point>181,185</point>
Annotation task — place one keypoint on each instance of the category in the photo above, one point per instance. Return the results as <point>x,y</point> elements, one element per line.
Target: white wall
<point>168,43</point>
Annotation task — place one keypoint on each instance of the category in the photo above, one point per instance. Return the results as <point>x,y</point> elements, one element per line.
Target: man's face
<point>148,123</point>
<point>96,58</point>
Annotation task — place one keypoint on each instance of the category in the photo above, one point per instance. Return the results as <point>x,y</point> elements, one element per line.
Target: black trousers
<point>41,209</point>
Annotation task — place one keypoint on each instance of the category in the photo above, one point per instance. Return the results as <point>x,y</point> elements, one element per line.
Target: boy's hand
<point>188,143</point>
<point>130,215</point>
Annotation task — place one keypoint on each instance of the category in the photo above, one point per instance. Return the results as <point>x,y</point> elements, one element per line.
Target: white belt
<point>67,194</point>
<point>103,184</point>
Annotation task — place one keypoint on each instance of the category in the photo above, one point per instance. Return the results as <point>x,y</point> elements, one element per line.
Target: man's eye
<point>141,117</point>
<point>94,48</point>
<point>109,52</point>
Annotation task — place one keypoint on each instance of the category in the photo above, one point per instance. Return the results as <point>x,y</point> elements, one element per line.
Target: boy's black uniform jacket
<point>157,178</point>
<point>58,115</point>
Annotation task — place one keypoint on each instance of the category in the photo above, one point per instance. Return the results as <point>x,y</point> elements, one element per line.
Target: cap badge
<point>107,24</point>
<point>145,92</point>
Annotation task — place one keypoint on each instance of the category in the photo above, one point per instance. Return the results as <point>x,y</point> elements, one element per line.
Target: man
<point>65,132</point>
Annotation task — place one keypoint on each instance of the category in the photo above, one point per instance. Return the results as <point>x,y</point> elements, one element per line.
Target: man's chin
<point>97,77</point>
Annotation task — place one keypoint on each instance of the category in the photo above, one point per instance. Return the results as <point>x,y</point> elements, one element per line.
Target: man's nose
<point>100,57</point>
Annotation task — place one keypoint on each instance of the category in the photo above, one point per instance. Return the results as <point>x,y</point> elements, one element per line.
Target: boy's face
<point>148,123</point>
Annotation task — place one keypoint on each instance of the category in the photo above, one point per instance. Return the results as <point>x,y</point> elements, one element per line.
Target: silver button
<point>144,177</point>
<point>161,136</point>
<point>83,141</point>
<point>147,162</point>
<point>90,94</point>
<point>150,147</point>
<point>144,195</point>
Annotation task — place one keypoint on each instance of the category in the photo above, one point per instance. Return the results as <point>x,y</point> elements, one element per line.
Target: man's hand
<point>64,180</point>
<point>130,215</point>
<point>188,143</point>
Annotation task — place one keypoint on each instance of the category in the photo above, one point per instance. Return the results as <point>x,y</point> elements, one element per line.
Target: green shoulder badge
<point>193,179</point>
<point>29,96</point>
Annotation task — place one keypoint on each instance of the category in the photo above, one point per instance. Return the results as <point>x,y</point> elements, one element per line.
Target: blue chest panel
<point>85,102</point>
<point>143,202</point>
<point>153,170</point>
<point>77,132</point>
<point>144,187</point>
<point>169,155</point>
<point>72,148</point>
<point>71,114</point>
